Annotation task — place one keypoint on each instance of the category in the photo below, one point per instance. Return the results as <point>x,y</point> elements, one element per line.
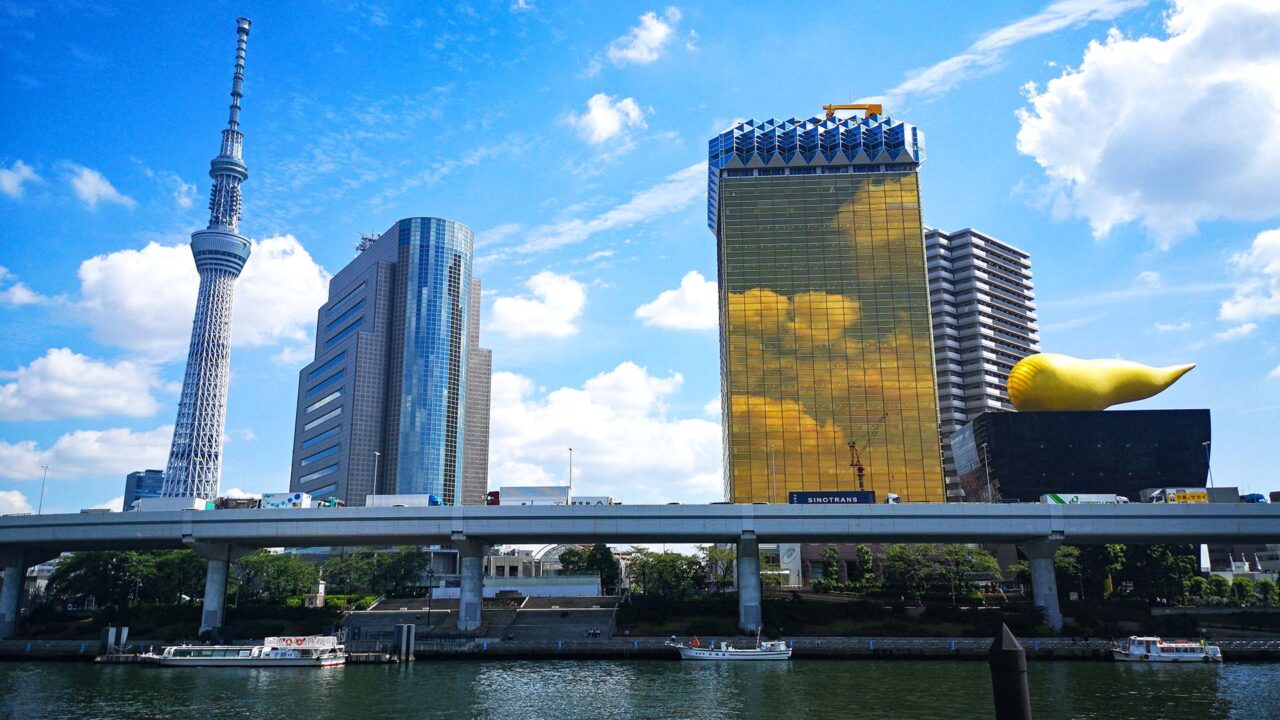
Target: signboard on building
<point>849,497</point>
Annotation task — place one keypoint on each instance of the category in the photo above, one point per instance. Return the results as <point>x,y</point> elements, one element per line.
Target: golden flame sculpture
<point>1048,382</point>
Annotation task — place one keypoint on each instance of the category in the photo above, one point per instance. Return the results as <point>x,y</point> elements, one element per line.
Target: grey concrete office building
<point>387,405</point>
<point>984,321</point>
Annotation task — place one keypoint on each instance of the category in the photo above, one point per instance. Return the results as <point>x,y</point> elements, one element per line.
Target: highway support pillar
<point>15,563</point>
<point>750,617</point>
<point>471,592</point>
<point>1044,581</point>
<point>219,557</point>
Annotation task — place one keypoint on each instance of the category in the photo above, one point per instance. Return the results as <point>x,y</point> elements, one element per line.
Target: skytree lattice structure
<point>195,459</point>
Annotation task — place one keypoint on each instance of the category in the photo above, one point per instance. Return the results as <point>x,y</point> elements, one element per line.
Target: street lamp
<point>376,457</point>
<point>1208,463</point>
<point>431,578</point>
<point>43,479</point>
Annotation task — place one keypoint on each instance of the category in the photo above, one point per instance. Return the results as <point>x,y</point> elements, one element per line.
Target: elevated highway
<point>222,535</point>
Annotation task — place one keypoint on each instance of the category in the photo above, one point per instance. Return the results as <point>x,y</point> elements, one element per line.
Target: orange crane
<point>871,109</point>
<point>855,457</point>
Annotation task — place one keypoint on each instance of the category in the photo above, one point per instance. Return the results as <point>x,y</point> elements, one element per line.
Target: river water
<point>567,690</point>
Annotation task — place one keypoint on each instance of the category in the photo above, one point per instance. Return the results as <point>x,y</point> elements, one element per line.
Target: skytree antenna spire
<point>195,459</point>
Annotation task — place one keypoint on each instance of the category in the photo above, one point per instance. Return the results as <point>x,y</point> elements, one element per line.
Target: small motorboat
<point>1153,649</point>
<point>768,650</point>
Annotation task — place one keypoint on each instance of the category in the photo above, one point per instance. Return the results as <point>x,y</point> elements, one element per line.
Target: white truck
<point>1077,499</point>
<point>171,503</point>
<point>285,500</point>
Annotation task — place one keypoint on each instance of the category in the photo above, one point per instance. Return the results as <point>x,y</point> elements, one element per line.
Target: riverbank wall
<point>1241,650</point>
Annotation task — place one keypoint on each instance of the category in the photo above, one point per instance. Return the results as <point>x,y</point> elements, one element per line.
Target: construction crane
<point>855,456</point>
<point>871,109</point>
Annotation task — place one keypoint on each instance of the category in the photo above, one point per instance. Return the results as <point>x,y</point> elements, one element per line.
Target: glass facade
<point>436,265</point>
<point>825,328</point>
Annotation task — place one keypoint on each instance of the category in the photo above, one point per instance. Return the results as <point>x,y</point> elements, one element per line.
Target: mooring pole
<point>1008,663</point>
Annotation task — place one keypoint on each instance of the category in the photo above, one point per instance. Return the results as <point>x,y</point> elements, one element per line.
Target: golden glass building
<point>827,369</point>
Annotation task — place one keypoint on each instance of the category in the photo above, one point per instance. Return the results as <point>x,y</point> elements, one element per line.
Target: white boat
<point>1153,649</point>
<point>294,651</point>
<point>771,650</point>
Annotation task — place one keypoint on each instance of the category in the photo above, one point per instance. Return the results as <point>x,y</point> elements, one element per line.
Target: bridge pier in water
<point>1044,581</point>
<point>219,557</point>
<point>471,592</point>
<point>750,617</point>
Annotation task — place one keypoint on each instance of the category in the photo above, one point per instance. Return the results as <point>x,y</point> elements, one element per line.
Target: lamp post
<point>376,457</point>
<point>569,500</point>
<point>43,479</point>
<point>431,592</point>
<point>986,470</point>
<point>1207,461</point>
<point>773,486</point>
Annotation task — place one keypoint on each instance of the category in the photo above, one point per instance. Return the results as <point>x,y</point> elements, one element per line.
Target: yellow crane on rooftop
<point>871,109</point>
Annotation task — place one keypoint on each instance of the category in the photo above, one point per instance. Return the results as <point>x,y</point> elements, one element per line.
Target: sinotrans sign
<point>851,497</point>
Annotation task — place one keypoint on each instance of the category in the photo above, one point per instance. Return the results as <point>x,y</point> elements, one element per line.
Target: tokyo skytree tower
<point>195,459</point>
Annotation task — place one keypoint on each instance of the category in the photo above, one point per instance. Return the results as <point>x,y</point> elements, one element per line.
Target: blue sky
<point>1132,148</point>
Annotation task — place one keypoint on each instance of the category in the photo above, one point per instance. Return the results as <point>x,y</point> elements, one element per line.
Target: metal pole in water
<point>1008,662</point>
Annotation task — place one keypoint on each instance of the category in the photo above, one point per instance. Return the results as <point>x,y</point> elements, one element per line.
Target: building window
<point>345,332</point>
<point>327,382</point>
<point>327,452</point>
<point>319,473</point>
<point>322,436</point>
<point>325,400</point>
<point>323,418</point>
<point>328,364</point>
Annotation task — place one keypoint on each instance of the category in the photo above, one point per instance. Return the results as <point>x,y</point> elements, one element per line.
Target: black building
<point>1021,456</point>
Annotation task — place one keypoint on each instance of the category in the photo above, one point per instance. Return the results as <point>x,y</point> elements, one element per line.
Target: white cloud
<point>553,310</point>
<point>17,293</point>
<point>1172,327</point>
<point>87,453</point>
<point>624,444</point>
<point>607,118</point>
<point>143,300</point>
<point>1274,374</point>
<point>1236,332</point>
<point>14,177</point>
<point>986,52</point>
<point>692,306</point>
<point>65,384</point>
<point>520,6</point>
<point>1148,278</point>
<point>115,504</point>
<point>236,492</point>
<point>712,408</point>
<point>1257,296</point>
<point>675,193</point>
<point>92,188</point>
<point>12,502</point>
<point>645,42</point>
<point>1166,132</point>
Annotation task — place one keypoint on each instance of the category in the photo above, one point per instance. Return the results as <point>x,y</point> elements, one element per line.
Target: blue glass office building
<point>382,408</point>
<point>142,484</point>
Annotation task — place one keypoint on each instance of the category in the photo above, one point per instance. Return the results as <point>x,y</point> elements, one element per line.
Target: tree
<point>1160,573</point>
<point>1220,586</point>
<point>1066,568</point>
<point>1242,591</point>
<point>1199,589</point>
<point>718,564</point>
<point>668,575</point>
<point>830,564</point>
<point>1020,572</point>
<point>351,573</point>
<point>908,571</point>
<point>862,573</point>
<point>170,575</point>
<point>1268,593</point>
<point>111,578</point>
<point>1098,565</point>
<point>272,579</point>
<point>957,566</point>
<point>597,560</point>
<point>400,569</point>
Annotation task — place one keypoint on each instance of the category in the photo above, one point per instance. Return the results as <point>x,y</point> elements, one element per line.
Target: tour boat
<point>299,651</point>
<point>1153,649</point>
<point>770,650</point>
